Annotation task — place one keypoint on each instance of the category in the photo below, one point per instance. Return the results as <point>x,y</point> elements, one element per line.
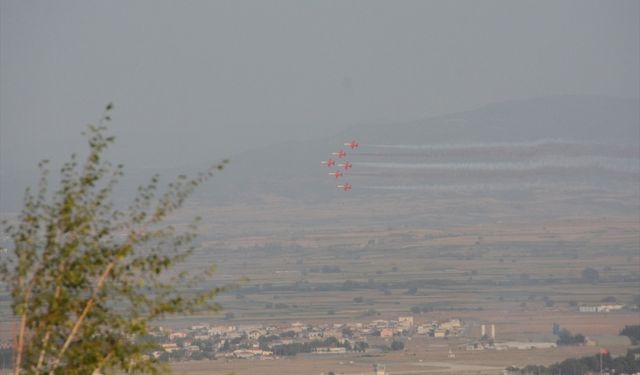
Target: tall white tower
<point>483,330</point>
<point>493,331</point>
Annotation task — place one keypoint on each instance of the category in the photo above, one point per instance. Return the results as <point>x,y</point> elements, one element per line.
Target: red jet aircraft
<point>346,165</point>
<point>337,174</point>
<point>329,163</point>
<point>345,187</point>
<point>340,154</point>
<point>353,144</point>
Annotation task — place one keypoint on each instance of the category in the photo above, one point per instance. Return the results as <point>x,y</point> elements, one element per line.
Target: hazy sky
<point>194,81</point>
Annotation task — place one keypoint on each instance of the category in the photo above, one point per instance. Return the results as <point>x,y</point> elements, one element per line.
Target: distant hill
<point>586,118</point>
<point>292,169</point>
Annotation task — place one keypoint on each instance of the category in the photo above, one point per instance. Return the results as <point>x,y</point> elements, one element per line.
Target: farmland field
<point>521,275</point>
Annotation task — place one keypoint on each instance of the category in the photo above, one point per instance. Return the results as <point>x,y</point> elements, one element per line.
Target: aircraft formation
<point>345,165</point>
<point>480,167</point>
<point>485,166</point>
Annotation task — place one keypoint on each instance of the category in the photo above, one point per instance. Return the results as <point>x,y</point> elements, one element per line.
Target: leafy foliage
<point>307,347</point>
<point>633,332</point>
<point>626,364</point>
<point>590,275</point>
<point>397,345</point>
<point>86,278</point>
<point>565,337</point>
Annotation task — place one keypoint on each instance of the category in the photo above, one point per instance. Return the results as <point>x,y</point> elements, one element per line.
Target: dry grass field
<point>420,357</point>
<point>523,275</point>
<point>497,266</point>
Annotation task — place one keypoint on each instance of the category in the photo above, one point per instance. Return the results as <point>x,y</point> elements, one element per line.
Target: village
<point>232,340</point>
<point>254,341</point>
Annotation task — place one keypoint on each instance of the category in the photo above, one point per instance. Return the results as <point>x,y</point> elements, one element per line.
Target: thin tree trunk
<point>83,315</point>
<point>21,333</point>
<point>47,335</point>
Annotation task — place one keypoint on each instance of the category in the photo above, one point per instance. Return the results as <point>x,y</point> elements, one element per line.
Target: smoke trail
<point>507,149</point>
<point>477,145</point>
<point>503,187</point>
<point>612,164</point>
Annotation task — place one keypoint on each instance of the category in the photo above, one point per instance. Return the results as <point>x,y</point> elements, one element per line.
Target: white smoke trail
<point>477,145</point>
<point>613,164</point>
<point>475,188</point>
<point>504,150</point>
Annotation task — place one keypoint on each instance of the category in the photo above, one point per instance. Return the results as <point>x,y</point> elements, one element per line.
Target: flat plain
<point>522,271</point>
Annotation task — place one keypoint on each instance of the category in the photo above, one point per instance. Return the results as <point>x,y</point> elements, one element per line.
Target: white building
<point>588,309</point>
<point>526,345</point>
<point>609,308</point>
<point>330,350</point>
